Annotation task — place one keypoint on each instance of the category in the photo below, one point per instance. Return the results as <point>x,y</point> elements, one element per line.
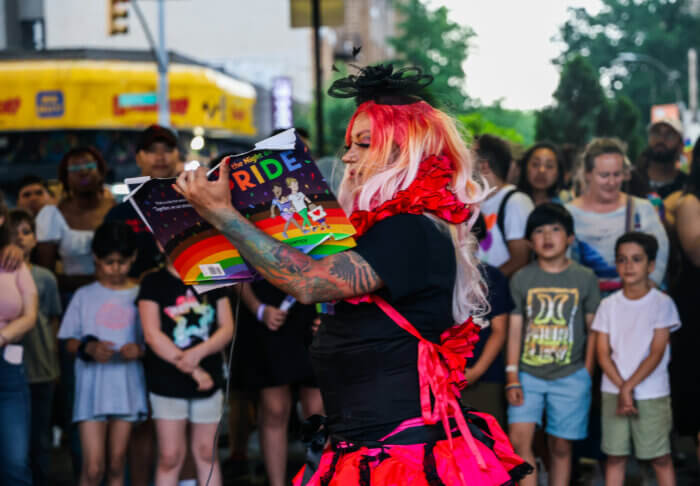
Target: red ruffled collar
<point>428,192</point>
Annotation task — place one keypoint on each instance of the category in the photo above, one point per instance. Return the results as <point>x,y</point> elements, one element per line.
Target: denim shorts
<point>195,410</point>
<point>115,416</point>
<point>566,401</point>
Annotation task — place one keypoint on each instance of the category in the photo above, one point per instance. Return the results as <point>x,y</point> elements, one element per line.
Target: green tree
<point>581,110</point>
<point>663,30</point>
<point>475,123</point>
<point>521,122</point>
<point>426,38</point>
<point>429,39</point>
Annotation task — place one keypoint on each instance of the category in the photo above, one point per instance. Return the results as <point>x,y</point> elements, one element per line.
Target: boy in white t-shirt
<point>634,326</point>
<point>505,211</point>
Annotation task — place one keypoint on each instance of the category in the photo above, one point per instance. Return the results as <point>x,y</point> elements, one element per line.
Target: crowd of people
<point>584,286</point>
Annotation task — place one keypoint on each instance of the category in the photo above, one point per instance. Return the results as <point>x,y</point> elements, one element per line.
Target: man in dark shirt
<point>157,156</point>
<point>660,174</point>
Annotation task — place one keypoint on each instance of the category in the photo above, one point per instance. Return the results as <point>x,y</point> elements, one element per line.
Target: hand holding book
<point>210,198</point>
<point>275,188</point>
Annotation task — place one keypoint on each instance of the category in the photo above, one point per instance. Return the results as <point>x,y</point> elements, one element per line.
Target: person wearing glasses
<point>65,232</point>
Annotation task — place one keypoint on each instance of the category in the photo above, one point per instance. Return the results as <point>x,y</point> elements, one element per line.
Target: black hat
<point>384,85</point>
<point>156,133</point>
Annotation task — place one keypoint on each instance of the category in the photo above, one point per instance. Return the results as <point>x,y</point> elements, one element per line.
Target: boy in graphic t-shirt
<point>549,359</point>
<point>634,326</point>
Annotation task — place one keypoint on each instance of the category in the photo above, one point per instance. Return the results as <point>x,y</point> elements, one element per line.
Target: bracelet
<point>513,385</point>
<point>512,368</point>
<point>260,312</point>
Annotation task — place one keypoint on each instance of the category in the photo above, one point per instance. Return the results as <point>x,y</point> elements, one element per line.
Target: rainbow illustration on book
<point>277,186</point>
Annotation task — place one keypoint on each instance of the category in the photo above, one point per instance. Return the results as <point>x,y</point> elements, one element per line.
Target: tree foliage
<point>663,30</point>
<point>475,123</point>
<point>520,121</point>
<point>429,39</point>
<point>582,110</point>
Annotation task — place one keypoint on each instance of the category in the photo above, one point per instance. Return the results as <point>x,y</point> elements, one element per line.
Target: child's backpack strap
<point>501,219</point>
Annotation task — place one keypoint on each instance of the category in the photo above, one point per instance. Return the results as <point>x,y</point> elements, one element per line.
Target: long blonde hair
<point>402,136</point>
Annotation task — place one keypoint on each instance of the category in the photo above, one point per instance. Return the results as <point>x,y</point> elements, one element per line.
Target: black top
<point>501,303</point>
<point>266,358</point>
<point>641,186</point>
<point>149,256</point>
<point>187,319</point>
<point>366,365</point>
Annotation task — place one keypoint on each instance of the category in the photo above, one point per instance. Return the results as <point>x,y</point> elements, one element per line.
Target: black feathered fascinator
<point>383,85</point>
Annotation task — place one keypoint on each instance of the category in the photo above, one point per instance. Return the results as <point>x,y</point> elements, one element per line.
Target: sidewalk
<point>686,471</point>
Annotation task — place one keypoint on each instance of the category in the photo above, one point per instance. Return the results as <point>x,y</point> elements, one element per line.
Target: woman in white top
<point>65,231</point>
<point>603,213</point>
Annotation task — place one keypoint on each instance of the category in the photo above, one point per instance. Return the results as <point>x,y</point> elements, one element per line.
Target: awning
<point>50,94</point>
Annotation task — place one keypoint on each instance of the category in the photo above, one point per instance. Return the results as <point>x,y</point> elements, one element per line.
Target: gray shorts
<point>195,410</point>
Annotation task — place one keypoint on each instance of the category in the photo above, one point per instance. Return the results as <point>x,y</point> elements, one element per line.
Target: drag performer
<point>390,361</point>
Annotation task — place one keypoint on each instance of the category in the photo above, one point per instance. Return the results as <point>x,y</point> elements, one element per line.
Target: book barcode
<point>212,270</point>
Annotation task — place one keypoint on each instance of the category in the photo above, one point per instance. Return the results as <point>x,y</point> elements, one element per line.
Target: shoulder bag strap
<point>629,214</point>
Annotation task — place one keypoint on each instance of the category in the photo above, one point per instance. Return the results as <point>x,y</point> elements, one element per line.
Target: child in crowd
<point>634,326</point>
<point>102,329</point>
<point>505,210</point>
<point>185,333</point>
<point>549,358</point>
<point>40,352</point>
<point>484,373</point>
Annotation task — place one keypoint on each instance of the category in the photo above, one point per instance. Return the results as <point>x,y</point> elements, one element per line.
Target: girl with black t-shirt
<point>390,361</point>
<point>185,333</point>
<point>274,357</point>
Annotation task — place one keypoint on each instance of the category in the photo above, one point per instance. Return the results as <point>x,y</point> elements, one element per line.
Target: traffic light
<point>116,17</point>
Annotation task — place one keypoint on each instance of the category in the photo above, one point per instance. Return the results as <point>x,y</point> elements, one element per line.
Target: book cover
<point>277,186</point>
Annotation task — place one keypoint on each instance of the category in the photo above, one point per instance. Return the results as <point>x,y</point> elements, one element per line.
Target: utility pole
<point>693,83</point>
<point>163,99</point>
<point>316,21</point>
<point>161,55</point>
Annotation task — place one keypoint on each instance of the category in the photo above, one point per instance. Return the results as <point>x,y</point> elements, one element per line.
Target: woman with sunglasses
<point>65,231</point>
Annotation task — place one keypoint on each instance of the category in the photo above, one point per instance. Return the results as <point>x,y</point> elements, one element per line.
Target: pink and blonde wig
<point>402,136</point>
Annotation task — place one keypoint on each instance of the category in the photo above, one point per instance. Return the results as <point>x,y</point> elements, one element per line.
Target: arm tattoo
<point>354,270</point>
<point>308,280</point>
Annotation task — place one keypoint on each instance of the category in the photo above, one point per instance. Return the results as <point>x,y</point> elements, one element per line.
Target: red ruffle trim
<point>429,192</point>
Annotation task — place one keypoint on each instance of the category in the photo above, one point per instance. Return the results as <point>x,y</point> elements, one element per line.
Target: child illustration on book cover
<point>284,205</point>
<point>299,201</point>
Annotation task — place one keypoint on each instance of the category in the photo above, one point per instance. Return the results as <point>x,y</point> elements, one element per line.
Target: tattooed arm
<point>334,277</point>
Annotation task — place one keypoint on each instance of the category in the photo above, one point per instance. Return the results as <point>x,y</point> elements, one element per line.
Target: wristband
<point>512,368</point>
<point>513,385</point>
<point>83,344</point>
<point>260,312</point>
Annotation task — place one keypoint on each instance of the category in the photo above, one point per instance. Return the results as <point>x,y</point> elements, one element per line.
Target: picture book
<point>277,186</point>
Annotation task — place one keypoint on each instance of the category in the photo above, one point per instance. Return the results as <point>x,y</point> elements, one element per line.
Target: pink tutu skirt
<point>425,463</point>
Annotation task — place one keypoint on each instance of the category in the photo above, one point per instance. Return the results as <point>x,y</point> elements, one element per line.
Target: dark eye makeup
<point>361,145</point>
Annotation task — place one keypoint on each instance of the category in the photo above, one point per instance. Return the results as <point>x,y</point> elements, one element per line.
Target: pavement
<point>253,473</point>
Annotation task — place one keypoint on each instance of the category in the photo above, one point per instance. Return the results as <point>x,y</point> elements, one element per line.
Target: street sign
<point>131,100</point>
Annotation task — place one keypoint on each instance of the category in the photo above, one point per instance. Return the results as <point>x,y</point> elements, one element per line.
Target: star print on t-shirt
<point>193,319</point>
